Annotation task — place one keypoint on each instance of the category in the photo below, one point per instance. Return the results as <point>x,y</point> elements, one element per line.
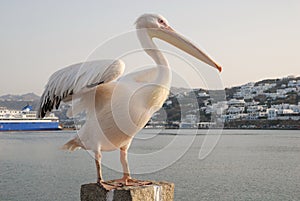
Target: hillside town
<point>265,104</point>
<point>244,105</point>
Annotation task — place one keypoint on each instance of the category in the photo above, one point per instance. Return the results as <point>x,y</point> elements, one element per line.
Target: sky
<point>252,40</point>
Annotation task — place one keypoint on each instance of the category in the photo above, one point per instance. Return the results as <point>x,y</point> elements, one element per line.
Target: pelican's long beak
<point>169,35</point>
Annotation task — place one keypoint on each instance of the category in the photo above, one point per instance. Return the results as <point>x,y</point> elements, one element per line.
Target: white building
<point>189,121</point>
<point>236,103</point>
<point>255,108</point>
<point>235,110</point>
<point>272,113</point>
<point>292,83</point>
<point>203,95</point>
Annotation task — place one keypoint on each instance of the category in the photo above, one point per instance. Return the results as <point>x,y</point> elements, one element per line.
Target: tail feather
<point>73,144</point>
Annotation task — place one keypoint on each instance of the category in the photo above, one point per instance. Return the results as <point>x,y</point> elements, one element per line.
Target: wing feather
<point>77,79</point>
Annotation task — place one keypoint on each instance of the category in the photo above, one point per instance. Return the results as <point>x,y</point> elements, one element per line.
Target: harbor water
<point>244,165</point>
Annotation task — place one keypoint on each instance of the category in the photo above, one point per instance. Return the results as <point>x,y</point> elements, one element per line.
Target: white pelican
<point>117,109</point>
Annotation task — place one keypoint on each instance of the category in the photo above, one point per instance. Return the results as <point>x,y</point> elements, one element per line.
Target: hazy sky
<point>252,40</point>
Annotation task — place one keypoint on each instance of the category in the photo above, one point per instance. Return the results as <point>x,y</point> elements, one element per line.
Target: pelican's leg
<point>124,162</point>
<point>98,166</point>
<point>126,179</point>
<point>126,174</point>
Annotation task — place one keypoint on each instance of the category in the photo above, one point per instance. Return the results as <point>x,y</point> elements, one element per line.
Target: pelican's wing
<point>77,79</point>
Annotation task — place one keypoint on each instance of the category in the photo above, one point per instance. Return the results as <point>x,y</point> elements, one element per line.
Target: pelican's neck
<point>164,73</point>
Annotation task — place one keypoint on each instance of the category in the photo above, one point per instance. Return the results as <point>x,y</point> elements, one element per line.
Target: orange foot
<point>124,181</point>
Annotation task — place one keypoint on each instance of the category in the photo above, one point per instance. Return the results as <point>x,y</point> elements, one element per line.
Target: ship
<point>25,120</point>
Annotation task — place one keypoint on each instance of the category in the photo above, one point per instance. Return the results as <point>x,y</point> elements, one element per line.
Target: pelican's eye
<point>162,22</point>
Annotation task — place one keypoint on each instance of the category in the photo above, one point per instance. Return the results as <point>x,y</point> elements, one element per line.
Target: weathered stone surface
<point>162,191</point>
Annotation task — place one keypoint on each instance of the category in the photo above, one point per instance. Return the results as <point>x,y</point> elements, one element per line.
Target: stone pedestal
<point>156,191</point>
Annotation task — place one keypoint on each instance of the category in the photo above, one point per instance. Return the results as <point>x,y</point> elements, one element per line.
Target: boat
<point>25,120</point>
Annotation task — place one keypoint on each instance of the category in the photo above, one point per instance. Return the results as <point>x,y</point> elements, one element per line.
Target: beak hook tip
<point>219,68</point>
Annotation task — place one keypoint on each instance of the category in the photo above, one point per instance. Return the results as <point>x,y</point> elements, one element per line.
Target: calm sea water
<point>245,165</point>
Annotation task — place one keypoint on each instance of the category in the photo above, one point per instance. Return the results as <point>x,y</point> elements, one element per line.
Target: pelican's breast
<point>109,107</point>
<point>123,109</point>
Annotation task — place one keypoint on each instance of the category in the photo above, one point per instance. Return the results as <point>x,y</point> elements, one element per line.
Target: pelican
<point>117,107</point>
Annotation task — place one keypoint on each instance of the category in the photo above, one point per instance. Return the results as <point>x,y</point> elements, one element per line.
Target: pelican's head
<point>151,21</point>
<point>159,27</point>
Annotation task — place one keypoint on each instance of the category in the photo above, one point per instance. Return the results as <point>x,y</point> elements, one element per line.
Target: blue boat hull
<point>29,126</point>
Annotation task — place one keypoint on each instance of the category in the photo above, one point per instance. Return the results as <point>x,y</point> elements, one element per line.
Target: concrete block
<point>155,191</point>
